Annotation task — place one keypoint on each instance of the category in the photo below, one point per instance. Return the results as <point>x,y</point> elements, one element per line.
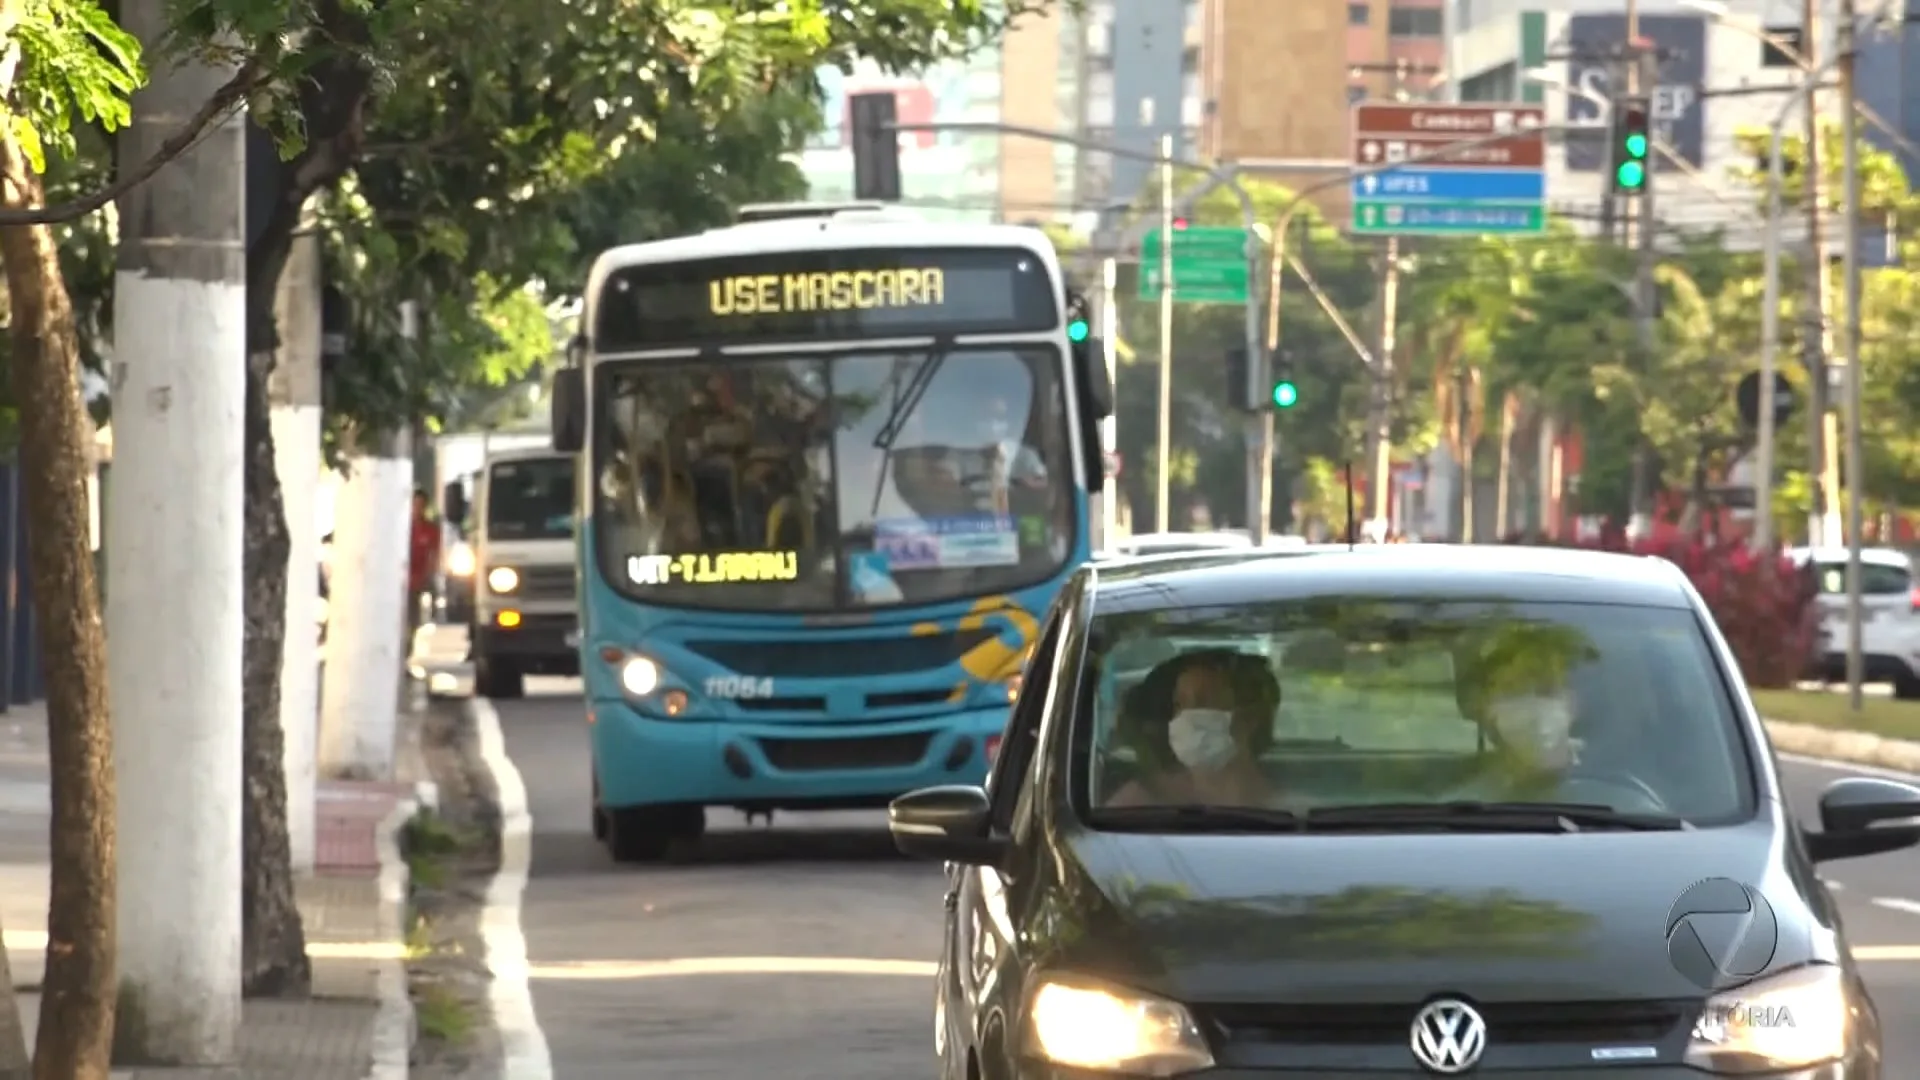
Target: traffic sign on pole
<point>1209,265</point>
<point>1498,186</point>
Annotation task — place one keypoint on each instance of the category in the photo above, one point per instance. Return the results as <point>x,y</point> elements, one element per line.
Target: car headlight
<point>1792,1020</point>
<point>460,561</point>
<point>1085,1026</point>
<point>503,579</point>
<point>639,676</point>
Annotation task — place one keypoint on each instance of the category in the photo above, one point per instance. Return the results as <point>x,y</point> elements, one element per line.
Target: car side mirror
<point>947,824</point>
<point>1853,813</point>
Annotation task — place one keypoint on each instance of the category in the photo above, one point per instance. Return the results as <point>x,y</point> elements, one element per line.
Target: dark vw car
<point>1400,812</point>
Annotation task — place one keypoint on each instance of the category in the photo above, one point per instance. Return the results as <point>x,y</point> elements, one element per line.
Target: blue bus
<point>836,468</point>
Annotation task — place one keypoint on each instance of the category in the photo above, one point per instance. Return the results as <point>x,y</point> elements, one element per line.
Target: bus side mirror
<point>453,505</point>
<point>569,416</point>
<point>1096,404</point>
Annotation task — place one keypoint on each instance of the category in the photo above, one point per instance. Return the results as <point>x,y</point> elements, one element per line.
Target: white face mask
<point>1202,738</point>
<point>1542,726</point>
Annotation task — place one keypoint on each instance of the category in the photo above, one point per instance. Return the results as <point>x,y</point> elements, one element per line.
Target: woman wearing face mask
<point>1222,716</point>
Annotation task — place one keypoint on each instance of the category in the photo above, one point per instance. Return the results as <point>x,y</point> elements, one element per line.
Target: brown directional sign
<point>1444,121</point>
<point>1520,152</point>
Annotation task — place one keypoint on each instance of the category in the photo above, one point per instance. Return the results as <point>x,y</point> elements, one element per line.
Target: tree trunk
<point>75,1038</point>
<point>273,940</point>
<point>14,1064</point>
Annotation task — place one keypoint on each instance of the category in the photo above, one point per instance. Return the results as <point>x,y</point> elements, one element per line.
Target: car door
<point>980,915</point>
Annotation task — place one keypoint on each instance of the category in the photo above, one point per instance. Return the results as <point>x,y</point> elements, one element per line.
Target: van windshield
<point>530,499</point>
<point>1335,702</point>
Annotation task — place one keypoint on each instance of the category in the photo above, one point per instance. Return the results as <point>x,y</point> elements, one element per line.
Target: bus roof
<point>841,231</point>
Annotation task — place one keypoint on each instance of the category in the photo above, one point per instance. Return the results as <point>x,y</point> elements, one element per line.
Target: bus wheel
<point>498,679</point>
<point>599,814</point>
<point>652,833</point>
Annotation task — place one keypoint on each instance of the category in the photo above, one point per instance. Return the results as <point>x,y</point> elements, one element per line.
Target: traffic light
<point>1286,393</point>
<point>876,145</point>
<point>1239,382</point>
<point>1632,144</point>
<point>1079,327</point>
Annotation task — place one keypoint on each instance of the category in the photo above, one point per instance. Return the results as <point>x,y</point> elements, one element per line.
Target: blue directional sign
<point>1428,169</point>
<point>1516,185</point>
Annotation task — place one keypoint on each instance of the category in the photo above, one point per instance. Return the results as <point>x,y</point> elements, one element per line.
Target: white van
<point>525,598</point>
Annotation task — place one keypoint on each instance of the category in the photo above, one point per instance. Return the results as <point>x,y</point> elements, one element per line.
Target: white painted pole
<point>174,586</point>
<point>297,459</point>
<point>359,695</point>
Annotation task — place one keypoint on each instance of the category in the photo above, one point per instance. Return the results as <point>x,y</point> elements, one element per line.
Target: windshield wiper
<point>1193,817</point>
<point>1492,817</point>
<point>905,400</point>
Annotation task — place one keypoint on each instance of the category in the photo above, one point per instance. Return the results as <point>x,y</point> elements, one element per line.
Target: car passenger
<point>1214,723</point>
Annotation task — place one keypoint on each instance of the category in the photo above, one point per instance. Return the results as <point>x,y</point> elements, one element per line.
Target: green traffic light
<point>1632,174</point>
<point>1637,145</point>
<point>1077,330</point>
<point>1285,394</point>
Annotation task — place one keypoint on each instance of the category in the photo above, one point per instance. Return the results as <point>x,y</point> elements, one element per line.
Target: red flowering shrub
<point>1764,604</point>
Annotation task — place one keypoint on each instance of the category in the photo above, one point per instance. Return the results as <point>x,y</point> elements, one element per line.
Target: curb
<point>393,1022</point>
<point>1845,747</point>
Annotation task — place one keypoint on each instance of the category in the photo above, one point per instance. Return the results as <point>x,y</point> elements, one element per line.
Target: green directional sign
<point>1446,218</point>
<point>1209,265</point>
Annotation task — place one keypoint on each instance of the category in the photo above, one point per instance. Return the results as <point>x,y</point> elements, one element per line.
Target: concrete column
<point>295,392</point>
<point>174,588</point>
<point>360,690</point>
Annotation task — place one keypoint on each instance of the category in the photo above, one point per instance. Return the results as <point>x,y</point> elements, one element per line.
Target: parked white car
<point>1890,615</point>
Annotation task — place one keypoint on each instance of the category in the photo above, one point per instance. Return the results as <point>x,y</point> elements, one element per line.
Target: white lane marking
<point>1833,886</point>
<point>1894,903</point>
<point>523,1044</point>
<point>1835,765</point>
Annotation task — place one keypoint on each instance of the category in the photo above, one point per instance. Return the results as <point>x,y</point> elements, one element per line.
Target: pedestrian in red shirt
<point>424,558</point>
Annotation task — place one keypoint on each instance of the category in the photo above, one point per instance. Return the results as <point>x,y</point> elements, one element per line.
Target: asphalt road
<point>661,971</point>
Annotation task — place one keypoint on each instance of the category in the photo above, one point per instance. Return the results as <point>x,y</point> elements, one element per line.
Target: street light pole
<point>1850,222</point>
<point>1162,520</point>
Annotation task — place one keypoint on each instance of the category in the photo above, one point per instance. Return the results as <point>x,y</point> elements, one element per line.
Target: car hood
<point>1369,918</point>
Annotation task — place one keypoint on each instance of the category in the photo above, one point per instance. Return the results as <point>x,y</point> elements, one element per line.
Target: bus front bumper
<point>640,760</point>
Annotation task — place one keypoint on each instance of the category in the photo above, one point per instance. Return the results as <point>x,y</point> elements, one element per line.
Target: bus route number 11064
<point>738,686</point>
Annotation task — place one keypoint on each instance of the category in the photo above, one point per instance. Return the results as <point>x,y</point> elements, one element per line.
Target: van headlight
<point>460,560</point>
<point>503,579</point>
<point>1081,1025</point>
<point>1792,1020</point>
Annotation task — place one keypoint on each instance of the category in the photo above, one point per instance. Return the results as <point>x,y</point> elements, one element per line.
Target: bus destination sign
<point>811,295</point>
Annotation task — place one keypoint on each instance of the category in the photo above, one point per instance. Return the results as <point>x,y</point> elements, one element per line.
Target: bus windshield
<point>530,499</point>
<point>822,483</point>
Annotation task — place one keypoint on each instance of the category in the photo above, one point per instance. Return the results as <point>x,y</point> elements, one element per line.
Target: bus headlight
<point>1083,1026</point>
<point>460,561</point>
<point>1792,1020</point>
<point>639,676</point>
<point>503,579</point>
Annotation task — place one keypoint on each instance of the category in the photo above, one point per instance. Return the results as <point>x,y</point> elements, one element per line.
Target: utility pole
<point>1379,441</point>
<point>1642,76</point>
<point>1163,520</point>
<point>174,575</point>
<point>295,393</point>
<point>1110,426</point>
<point>1850,221</point>
<point>1823,429</point>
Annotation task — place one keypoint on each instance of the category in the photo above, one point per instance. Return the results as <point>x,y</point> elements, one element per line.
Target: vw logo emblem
<point>1448,1037</point>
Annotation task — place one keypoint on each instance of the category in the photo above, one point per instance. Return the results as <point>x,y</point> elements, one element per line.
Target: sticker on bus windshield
<point>732,566</point>
<point>947,543</point>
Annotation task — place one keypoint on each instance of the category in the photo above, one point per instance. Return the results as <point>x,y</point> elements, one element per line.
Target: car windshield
<point>530,499</point>
<point>1339,702</point>
<point>818,483</point>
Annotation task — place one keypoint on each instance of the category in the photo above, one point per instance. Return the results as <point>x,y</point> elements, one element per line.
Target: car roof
<point>1878,556</point>
<point>1234,577</point>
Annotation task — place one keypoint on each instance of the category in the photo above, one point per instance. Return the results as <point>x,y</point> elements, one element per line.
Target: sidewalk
<point>359,1023</point>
